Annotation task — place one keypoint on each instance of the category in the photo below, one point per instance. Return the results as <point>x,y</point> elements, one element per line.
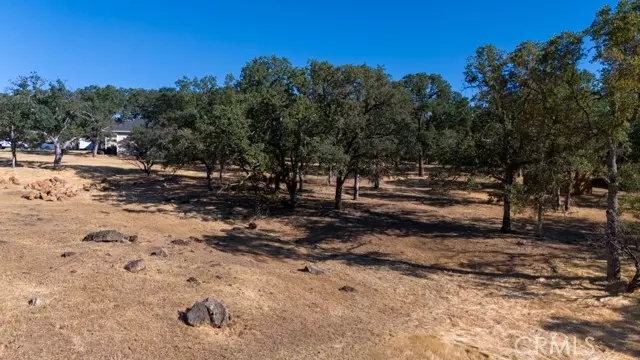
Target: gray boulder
<point>109,236</point>
<point>161,252</point>
<point>135,266</point>
<point>312,269</point>
<point>208,312</point>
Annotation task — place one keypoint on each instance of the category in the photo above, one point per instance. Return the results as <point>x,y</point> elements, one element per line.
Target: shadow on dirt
<point>621,335</point>
<point>340,235</point>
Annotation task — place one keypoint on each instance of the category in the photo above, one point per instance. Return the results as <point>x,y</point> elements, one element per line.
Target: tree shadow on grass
<point>330,234</point>
<point>425,197</point>
<point>454,184</point>
<point>483,273</point>
<point>31,164</point>
<point>96,173</point>
<point>163,192</point>
<point>591,201</point>
<point>621,335</point>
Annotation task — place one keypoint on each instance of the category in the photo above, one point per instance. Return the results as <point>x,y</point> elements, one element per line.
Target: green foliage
<point>99,109</point>
<point>629,174</point>
<point>146,145</point>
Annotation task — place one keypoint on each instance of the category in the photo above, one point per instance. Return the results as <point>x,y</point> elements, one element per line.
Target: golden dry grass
<point>435,279</point>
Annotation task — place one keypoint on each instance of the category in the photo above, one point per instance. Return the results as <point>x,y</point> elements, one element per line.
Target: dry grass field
<point>434,277</point>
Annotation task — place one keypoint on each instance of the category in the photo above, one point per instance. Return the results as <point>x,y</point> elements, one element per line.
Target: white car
<point>5,144</point>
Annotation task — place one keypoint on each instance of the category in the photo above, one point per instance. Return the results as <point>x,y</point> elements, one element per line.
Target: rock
<point>541,280</point>
<point>180,242</point>
<point>195,239</point>
<point>67,254</point>
<point>34,301</point>
<point>208,312</point>
<point>109,236</point>
<point>52,189</point>
<point>193,281</point>
<point>348,288</point>
<point>14,180</point>
<point>159,252</point>
<point>135,266</point>
<point>312,269</point>
<point>198,315</point>
<point>31,195</point>
<point>252,226</point>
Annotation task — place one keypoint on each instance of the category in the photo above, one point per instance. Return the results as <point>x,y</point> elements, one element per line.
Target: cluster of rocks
<point>208,312</point>
<point>52,189</point>
<point>12,180</point>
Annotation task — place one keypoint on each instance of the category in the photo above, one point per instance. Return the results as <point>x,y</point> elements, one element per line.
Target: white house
<point>119,132</point>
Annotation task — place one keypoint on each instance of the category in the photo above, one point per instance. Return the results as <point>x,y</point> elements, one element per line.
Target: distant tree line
<point>535,114</point>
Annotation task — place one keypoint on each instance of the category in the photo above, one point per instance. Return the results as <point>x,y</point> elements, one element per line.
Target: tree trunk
<point>96,145</point>
<point>293,196</point>
<point>221,169</point>
<point>356,186</point>
<point>14,157</point>
<point>420,149</point>
<point>209,170</point>
<point>57,161</point>
<point>539,223</point>
<point>339,182</point>
<point>557,203</point>
<point>506,214</point>
<point>567,200</point>
<point>300,181</point>
<point>330,177</point>
<point>376,182</point>
<point>277,181</point>
<point>147,165</point>
<point>611,227</point>
<point>292,188</point>
<point>634,284</point>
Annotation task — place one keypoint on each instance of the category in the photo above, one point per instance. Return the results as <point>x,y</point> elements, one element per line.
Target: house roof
<point>127,125</point>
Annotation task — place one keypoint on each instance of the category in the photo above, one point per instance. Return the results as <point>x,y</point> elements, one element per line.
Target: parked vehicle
<point>6,144</point>
<point>47,146</point>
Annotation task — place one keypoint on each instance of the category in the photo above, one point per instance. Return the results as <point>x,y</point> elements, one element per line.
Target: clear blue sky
<point>148,44</point>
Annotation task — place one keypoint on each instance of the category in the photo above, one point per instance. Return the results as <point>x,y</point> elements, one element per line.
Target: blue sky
<point>152,43</point>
